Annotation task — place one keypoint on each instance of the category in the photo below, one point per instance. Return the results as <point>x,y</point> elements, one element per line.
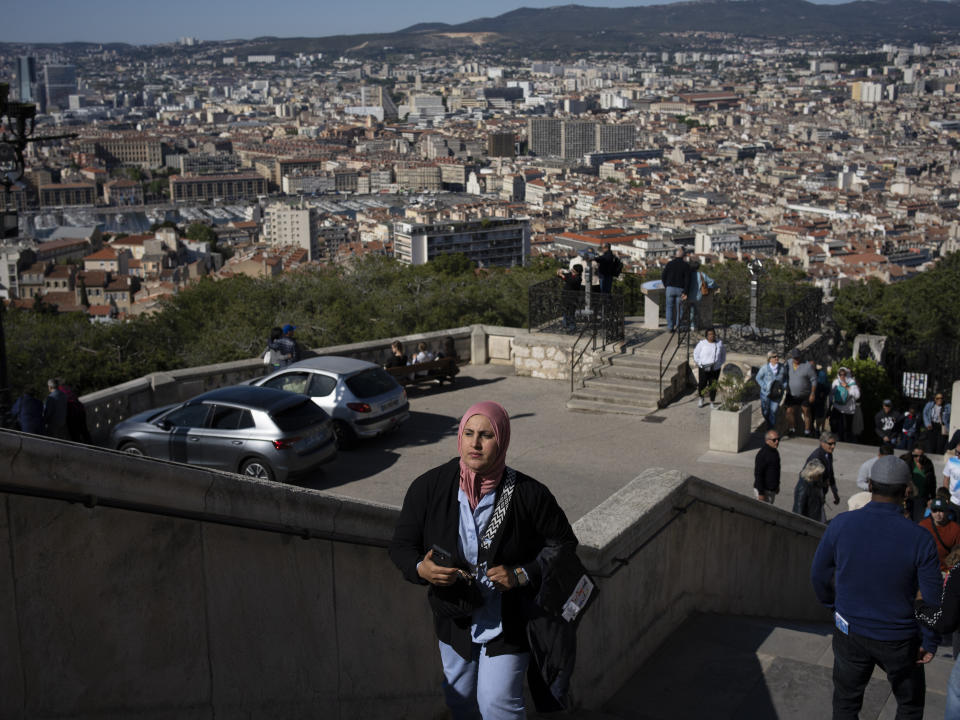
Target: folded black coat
<point>566,591</point>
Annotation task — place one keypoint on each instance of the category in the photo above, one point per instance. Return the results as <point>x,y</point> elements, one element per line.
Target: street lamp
<point>17,123</point>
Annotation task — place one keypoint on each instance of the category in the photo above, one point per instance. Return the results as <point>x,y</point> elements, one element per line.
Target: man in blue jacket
<point>867,569</point>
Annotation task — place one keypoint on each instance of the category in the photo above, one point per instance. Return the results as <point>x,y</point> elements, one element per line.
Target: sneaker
<point>714,404</point>
<point>700,403</point>
<point>807,433</point>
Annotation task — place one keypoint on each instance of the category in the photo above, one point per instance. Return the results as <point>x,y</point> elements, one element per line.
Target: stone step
<point>592,406</point>
<point>617,396</point>
<point>628,373</point>
<point>626,386</point>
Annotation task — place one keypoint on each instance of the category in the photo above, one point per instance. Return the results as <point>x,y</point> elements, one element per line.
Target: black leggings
<point>707,377</point>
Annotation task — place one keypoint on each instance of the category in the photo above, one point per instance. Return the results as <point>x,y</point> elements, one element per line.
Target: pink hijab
<point>473,484</point>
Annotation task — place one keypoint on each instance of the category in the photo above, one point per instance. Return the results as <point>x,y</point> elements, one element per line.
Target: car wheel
<point>256,468</point>
<point>345,436</point>
<point>131,448</point>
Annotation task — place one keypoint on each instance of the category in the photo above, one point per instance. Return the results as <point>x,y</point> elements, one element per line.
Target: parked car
<point>362,398</point>
<point>258,432</point>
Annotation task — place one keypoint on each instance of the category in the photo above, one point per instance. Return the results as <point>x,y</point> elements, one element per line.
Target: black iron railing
<point>679,342</point>
<point>938,364</point>
<point>775,326</point>
<point>554,310</point>
<point>595,318</point>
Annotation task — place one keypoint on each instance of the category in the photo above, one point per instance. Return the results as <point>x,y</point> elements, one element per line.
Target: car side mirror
<point>164,424</point>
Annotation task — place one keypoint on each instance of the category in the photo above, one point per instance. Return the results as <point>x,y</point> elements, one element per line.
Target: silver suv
<point>253,431</point>
<point>362,398</point>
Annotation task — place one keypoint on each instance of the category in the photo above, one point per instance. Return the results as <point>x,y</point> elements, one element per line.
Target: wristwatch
<point>521,575</point>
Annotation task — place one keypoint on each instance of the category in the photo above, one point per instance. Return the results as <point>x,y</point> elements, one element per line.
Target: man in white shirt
<point>863,474</point>
<point>951,476</point>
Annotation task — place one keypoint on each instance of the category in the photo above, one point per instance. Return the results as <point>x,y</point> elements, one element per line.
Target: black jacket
<point>888,424</point>
<point>676,274</point>
<point>430,516</point>
<point>766,470</point>
<point>945,617</point>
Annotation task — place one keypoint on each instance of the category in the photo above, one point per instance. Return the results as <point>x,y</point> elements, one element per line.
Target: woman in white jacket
<point>844,394</point>
<point>709,355</point>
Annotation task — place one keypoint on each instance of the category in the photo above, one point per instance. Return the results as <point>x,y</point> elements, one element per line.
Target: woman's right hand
<point>436,574</point>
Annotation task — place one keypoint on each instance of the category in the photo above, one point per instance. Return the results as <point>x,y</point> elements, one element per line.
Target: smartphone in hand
<point>441,557</point>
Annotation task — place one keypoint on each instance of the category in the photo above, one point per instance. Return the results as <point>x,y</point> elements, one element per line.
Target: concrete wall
<point>151,595</point>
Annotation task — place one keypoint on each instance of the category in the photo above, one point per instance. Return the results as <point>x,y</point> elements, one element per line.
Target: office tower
<point>27,78</point>
<point>60,82</point>
<point>543,134</point>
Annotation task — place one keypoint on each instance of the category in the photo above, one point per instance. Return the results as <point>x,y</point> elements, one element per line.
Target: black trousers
<point>854,657</point>
<point>707,377</point>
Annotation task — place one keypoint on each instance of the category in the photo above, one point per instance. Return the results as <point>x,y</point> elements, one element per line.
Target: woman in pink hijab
<point>480,535</point>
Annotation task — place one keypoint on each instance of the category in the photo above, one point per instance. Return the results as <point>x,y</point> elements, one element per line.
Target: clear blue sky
<point>154,21</point>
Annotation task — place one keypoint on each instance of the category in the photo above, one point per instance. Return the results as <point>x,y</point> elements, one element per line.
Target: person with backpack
<point>844,394</point>
<point>772,380</point>
<point>609,266</point>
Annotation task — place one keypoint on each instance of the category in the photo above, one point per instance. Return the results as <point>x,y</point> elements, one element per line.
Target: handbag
<point>464,596</point>
<point>704,288</point>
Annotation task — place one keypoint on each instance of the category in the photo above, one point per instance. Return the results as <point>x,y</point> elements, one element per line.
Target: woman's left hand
<point>502,578</point>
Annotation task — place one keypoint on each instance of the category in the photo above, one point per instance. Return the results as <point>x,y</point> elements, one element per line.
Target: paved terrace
<point>742,667</point>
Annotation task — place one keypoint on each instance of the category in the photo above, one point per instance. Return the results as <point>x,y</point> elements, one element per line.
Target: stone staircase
<point>628,382</point>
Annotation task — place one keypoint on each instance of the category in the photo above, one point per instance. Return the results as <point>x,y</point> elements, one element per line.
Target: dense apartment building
<point>416,176</point>
<point>543,136</point>
<point>124,149</point>
<point>201,188</point>
<point>58,195</point>
<point>207,163</point>
<point>572,139</point>
<point>503,242</point>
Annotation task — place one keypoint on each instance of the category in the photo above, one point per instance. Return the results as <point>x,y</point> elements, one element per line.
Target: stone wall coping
<point>111,477</point>
<point>623,522</point>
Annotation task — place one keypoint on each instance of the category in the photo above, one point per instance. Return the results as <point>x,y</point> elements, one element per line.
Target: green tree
<point>201,232</point>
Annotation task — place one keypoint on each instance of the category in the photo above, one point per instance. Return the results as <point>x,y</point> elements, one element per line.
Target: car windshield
<point>298,416</point>
<point>369,383</point>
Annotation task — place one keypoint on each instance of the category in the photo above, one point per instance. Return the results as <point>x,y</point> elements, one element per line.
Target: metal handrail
<point>683,333</point>
<point>575,360</point>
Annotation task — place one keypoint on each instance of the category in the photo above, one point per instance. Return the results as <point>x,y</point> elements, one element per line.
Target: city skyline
<point>109,21</point>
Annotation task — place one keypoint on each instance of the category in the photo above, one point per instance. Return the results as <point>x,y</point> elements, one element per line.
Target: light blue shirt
<point>486,619</point>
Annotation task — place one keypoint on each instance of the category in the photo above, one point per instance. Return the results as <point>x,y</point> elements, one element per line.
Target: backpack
<point>616,267</point>
<point>776,391</point>
<point>840,395</point>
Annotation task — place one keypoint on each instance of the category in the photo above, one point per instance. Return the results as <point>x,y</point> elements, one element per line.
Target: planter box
<point>729,431</point>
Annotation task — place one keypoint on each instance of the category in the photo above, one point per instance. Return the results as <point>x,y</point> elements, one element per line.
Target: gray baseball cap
<point>890,470</point>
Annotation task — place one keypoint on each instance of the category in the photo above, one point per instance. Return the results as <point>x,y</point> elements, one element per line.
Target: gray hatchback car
<point>362,398</point>
<point>258,432</point>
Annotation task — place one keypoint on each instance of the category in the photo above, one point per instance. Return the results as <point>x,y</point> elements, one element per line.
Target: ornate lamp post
<point>17,122</point>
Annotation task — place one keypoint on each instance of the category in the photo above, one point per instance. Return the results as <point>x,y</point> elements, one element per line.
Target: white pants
<point>484,687</point>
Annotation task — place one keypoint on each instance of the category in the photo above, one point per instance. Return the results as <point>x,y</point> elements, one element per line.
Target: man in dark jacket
<point>887,423</point>
<point>676,279</point>
<point>766,469</point>
<point>824,453</point>
<point>606,267</point>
